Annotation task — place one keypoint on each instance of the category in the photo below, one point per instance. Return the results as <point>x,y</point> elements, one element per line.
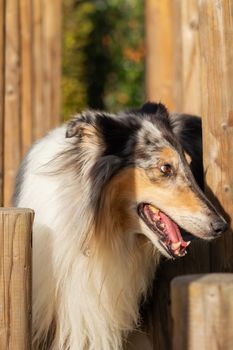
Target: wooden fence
<point>189,67</point>
<point>15,278</point>
<point>29,80</point>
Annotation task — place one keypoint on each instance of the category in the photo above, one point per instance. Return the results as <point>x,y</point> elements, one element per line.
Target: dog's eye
<point>166,169</point>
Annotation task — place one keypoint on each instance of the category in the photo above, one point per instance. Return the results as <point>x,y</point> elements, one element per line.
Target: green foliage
<point>103,55</point>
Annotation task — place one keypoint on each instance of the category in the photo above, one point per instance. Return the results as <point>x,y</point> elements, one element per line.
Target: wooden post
<point>2,79</point>
<point>202,311</point>
<point>26,73</point>
<point>12,98</point>
<point>29,80</point>
<point>173,54</point>
<point>159,51</point>
<point>15,278</point>
<point>216,35</point>
<point>189,64</point>
<point>46,24</point>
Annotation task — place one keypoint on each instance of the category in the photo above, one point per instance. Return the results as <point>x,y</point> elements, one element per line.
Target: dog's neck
<point>106,297</point>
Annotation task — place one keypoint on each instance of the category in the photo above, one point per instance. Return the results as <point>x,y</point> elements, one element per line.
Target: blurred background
<point>103,53</point>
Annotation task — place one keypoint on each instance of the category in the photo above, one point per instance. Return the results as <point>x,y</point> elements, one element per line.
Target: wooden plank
<point>15,278</point>
<point>2,80</point>
<point>190,60</point>
<point>46,71</point>
<point>202,310</point>
<point>173,54</point>
<point>12,142</point>
<point>47,31</point>
<point>51,61</point>
<point>216,34</point>
<point>26,73</point>
<point>56,55</point>
<point>159,51</point>
<point>186,91</point>
<point>38,110</point>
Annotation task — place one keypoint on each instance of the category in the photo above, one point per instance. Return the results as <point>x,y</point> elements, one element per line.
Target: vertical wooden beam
<point>190,60</point>
<point>15,278</point>
<point>173,54</point>
<point>46,67</point>
<point>12,127</point>
<point>56,41</point>
<point>38,107</point>
<point>2,80</point>
<point>52,61</point>
<point>202,311</point>
<point>185,89</point>
<point>159,51</point>
<point>26,73</point>
<point>29,80</point>
<point>216,34</point>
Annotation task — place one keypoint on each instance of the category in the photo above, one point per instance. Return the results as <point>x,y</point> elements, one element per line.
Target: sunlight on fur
<point>94,256</point>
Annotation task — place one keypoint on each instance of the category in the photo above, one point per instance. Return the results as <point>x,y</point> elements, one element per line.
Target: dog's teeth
<point>162,225</point>
<point>182,254</point>
<point>176,245</point>
<point>153,209</point>
<point>187,243</point>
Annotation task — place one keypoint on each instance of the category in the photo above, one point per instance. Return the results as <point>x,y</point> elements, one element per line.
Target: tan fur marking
<point>185,197</point>
<point>168,154</point>
<point>187,157</point>
<point>135,185</point>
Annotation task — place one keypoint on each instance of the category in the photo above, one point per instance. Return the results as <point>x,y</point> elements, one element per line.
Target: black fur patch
<point>117,132</point>
<point>188,130</point>
<point>154,109</point>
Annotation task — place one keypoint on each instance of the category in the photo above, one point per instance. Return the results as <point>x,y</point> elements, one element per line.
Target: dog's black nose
<point>219,226</point>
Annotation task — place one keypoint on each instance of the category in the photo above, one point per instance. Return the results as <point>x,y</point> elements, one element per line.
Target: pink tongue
<point>171,228</point>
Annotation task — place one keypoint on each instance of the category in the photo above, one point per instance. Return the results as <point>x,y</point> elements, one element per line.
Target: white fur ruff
<point>88,290</point>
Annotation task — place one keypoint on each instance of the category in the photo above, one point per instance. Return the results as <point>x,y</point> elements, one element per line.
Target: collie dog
<point>110,194</point>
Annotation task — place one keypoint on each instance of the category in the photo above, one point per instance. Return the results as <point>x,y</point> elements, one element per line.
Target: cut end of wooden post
<point>202,311</point>
<point>15,277</point>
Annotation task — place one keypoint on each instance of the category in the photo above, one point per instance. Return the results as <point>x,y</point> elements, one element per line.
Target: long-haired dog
<point>109,193</point>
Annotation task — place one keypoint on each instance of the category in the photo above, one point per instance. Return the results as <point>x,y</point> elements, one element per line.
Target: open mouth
<point>165,228</point>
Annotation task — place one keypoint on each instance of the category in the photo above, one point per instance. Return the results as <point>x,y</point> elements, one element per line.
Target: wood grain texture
<point>39,117</point>
<point>46,68</point>
<point>190,61</point>
<point>55,54</point>
<point>29,80</point>
<point>2,81</point>
<point>216,36</point>
<point>159,51</point>
<point>26,39</point>
<point>202,310</point>
<point>51,59</point>
<point>12,127</point>
<point>15,278</point>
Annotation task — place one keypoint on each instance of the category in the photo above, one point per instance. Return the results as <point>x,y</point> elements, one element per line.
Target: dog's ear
<point>188,130</point>
<point>156,109</point>
<point>80,122</point>
<point>73,129</point>
<point>110,131</point>
<point>154,112</point>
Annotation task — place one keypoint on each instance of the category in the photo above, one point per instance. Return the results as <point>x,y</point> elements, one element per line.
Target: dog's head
<point>141,176</point>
